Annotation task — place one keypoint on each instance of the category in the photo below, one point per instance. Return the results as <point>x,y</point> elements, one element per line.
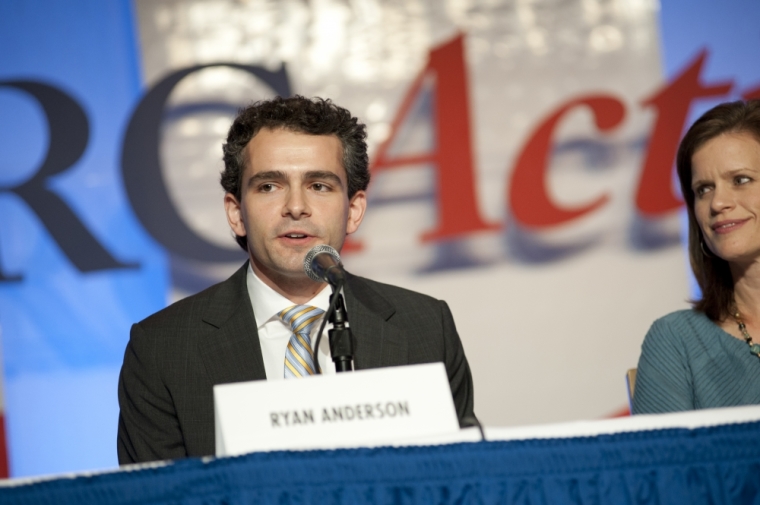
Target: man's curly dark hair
<point>315,116</point>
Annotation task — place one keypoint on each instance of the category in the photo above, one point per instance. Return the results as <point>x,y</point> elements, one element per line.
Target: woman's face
<point>725,178</point>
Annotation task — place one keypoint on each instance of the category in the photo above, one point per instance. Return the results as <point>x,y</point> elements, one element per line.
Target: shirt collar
<point>267,303</point>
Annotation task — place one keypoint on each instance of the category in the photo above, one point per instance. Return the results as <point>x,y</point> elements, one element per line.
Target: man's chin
<point>292,272</point>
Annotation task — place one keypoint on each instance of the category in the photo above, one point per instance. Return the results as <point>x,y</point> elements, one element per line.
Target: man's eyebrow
<point>270,175</point>
<point>323,175</point>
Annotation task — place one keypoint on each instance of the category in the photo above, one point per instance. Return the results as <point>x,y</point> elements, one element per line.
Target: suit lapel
<point>379,342</point>
<point>231,350</point>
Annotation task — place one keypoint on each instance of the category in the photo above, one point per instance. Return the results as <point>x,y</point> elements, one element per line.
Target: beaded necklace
<point>753,347</point>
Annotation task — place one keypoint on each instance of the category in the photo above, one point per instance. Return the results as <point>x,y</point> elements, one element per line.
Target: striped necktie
<point>298,356</point>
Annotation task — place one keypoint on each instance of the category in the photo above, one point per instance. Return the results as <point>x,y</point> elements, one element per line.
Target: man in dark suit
<point>295,176</point>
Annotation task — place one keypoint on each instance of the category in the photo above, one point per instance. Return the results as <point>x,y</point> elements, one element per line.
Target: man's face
<point>294,195</point>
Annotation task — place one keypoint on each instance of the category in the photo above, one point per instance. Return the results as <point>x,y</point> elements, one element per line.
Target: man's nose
<point>296,204</point>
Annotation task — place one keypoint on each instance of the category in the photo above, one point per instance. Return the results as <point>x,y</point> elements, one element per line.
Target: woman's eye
<point>701,190</point>
<point>741,179</point>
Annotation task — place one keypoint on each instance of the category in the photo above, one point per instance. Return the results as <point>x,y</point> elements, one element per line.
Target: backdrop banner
<point>513,171</point>
<point>76,267</point>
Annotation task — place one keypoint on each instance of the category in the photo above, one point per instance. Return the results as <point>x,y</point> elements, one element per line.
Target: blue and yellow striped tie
<point>298,357</point>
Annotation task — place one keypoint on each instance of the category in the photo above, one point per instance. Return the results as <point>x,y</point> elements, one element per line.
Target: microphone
<point>322,264</point>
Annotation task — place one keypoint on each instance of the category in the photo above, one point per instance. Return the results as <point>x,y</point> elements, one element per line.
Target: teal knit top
<point>688,362</point>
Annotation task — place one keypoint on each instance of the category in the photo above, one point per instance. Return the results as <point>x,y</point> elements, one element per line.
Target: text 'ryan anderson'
<point>347,413</point>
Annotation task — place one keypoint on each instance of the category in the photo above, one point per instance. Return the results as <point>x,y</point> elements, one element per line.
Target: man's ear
<point>357,205</point>
<point>234,214</point>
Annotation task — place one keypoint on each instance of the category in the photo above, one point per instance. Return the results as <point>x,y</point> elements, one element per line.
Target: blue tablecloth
<point>702,466</point>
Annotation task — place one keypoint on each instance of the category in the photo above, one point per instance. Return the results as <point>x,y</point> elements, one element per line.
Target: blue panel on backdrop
<point>730,32</point>
<point>76,267</point>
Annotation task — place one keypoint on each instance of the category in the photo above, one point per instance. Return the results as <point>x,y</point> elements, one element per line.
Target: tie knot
<point>300,318</point>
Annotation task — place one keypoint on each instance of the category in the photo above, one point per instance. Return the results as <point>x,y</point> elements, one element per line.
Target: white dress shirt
<point>275,334</point>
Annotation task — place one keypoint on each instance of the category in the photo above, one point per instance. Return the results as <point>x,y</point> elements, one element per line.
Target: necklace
<point>753,347</point>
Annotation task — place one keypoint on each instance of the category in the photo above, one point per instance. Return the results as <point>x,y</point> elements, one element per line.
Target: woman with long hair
<point>709,356</point>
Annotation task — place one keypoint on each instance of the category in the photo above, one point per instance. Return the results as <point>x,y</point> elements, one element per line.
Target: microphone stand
<point>341,339</point>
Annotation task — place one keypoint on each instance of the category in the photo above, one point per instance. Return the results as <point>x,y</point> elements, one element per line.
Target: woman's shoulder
<point>680,323</point>
<point>685,316</point>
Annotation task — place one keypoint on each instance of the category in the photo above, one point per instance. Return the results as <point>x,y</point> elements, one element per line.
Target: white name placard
<point>352,409</point>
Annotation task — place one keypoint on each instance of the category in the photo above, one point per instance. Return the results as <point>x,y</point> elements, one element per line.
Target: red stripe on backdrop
<point>623,412</point>
<point>3,451</point>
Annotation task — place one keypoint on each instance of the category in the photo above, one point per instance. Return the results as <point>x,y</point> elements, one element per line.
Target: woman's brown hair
<point>712,273</point>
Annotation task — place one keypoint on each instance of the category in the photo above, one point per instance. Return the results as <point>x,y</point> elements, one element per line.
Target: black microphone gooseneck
<point>341,339</point>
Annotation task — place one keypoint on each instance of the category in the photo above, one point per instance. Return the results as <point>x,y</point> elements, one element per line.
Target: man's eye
<point>266,188</point>
<point>318,186</point>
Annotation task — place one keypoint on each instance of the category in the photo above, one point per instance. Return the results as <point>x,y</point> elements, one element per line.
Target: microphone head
<point>308,260</point>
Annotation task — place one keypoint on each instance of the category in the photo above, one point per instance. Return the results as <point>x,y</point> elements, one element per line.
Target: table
<point>693,458</point>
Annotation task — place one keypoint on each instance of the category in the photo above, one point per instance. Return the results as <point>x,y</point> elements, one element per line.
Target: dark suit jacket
<point>176,356</point>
